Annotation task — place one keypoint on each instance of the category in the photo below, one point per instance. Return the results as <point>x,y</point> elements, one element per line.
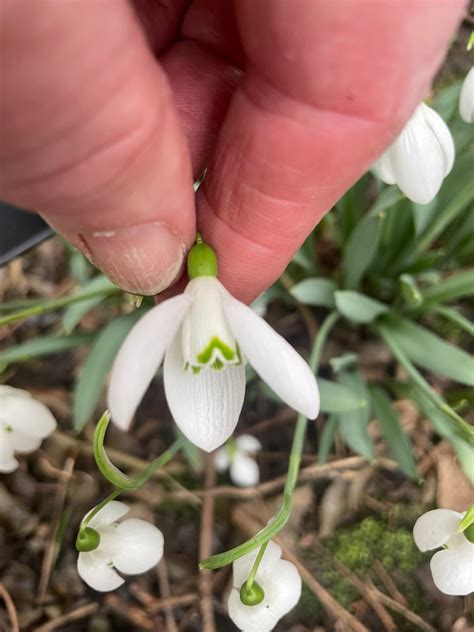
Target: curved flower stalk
<point>205,337</point>
<point>24,423</point>
<point>421,156</point>
<point>277,589</point>
<point>466,98</point>
<point>238,457</point>
<point>453,567</point>
<point>131,547</point>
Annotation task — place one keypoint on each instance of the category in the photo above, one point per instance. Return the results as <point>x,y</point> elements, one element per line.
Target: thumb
<point>89,137</point>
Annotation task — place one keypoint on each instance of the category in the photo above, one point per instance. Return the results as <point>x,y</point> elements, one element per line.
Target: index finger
<point>328,86</point>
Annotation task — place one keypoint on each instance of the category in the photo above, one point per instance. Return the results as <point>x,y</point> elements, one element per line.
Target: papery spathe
<point>420,157</point>
<point>24,423</point>
<point>131,547</point>
<point>205,337</point>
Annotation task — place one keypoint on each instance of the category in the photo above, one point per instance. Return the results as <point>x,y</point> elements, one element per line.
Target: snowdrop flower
<point>238,457</point>
<point>24,423</point>
<point>132,546</point>
<point>205,337</point>
<point>421,156</point>
<point>453,567</point>
<point>466,98</point>
<point>277,588</point>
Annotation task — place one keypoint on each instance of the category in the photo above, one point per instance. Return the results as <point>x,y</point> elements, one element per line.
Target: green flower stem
<point>57,303</point>
<point>465,429</point>
<point>281,518</point>
<point>468,519</point>
<point>112,473</point>
<point>255,566</point>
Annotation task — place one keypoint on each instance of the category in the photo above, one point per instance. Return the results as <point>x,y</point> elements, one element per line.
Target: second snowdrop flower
<point>420,157</point>
<point>239,457</point>
<point>277,589</point>
<point>205,337</point>
<point>132,546</point>
<point>24,423</point>
<point>453,567</point>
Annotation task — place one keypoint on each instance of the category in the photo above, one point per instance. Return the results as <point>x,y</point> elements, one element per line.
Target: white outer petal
<point>442,133</point>
<point>384,169</point>
<point>28,415</point>
<point>273,358</point>
<point>242,566</point>
<point>113,511</point>
<point>137,546</point>
<point>248,443</point>
<point>222,459</point>
<point>205,406</point>
<point>140,356</point>
<point>453,569</point>
<point>418,160</point>
<point>8,463</point>
<point>259,618</point>
<point>435,527</point>
<point>466,98</point>
<point>5,390</point>
<point>244,471</point>
<point>24,443</point>
<point>95,571</point>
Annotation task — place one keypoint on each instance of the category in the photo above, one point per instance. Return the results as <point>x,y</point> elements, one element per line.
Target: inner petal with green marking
<point>206,337</point>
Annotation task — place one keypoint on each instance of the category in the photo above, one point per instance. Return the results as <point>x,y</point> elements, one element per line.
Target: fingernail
<point>142,259</point>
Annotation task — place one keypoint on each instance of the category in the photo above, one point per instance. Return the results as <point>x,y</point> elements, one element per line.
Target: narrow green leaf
<point>444,427</point>
<point>326,440</point>
<point>353,425</point>
<point>97,365</point>
<point>47,345</point>
<point>361,249</point>
<point>358,307</point>
<point>336,398</point>
<point>315,291</point>
<point>73,314</point>
<point>392,432</point>
<point>451,288</point>
<point>430,351</point>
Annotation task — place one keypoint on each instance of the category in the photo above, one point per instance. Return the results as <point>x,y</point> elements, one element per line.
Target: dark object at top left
<point>19,231</point>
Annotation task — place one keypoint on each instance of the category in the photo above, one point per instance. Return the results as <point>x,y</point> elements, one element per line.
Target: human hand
<point>102,130</point>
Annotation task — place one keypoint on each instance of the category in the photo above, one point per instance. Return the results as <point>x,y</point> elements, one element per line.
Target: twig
<point>173,602</point>
<point>283,417</point>
<point>138,616</point>
<point>405,612</point>
<point>306,474</point>
<point>248,524</point>
<point>53,545</point>
<point>11,610</point>
<point>164,584</point>
<point>79,613</point>
<point>205,548</point>
<point>366,592</point>
<point>389,583</point>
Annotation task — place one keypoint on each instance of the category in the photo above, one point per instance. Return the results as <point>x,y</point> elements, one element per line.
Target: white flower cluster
<point>422,155</point>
